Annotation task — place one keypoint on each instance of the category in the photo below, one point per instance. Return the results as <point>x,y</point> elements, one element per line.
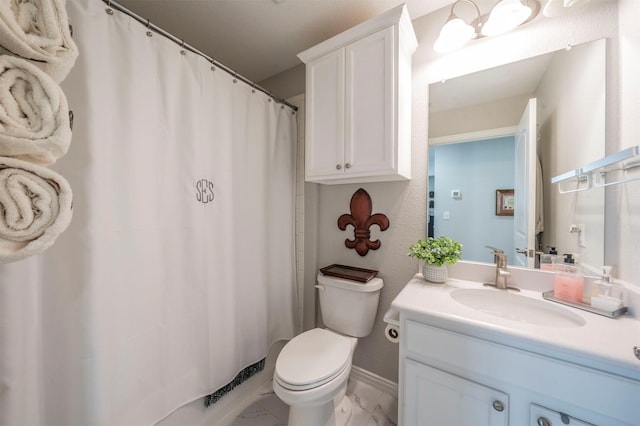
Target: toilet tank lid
<point>372,285</point>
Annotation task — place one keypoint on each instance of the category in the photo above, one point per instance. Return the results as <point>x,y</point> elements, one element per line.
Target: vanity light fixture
<point>505,16</point>
<point>456,32</point>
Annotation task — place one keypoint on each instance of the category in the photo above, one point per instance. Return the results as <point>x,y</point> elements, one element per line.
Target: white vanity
<point>472,355</point>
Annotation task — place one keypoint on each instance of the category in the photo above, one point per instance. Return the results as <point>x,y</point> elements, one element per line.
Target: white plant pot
<point>435,274</point>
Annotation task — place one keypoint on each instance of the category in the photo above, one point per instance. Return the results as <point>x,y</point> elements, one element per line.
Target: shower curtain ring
<point>253,88</point>
<point>235,77</point>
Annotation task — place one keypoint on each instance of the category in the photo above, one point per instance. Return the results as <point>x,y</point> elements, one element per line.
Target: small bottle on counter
<point>547,261</point>
<point>568,283</point>
<point>606,295</point>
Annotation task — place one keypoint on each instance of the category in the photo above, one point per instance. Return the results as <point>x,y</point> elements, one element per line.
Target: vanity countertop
<point>601,343</point>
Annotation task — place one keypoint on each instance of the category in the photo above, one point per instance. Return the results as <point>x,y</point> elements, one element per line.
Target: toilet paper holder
<point>392,330</point>
<point>392,317</point>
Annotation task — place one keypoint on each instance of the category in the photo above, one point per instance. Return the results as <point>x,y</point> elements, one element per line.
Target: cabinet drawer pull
<point>542,421</point>
<point>347,166</point>
<point>338,166</point>
<point>498,406</point>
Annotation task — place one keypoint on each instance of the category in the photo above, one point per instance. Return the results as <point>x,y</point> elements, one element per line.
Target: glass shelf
<point>549,295</point>
<point>610,170</point>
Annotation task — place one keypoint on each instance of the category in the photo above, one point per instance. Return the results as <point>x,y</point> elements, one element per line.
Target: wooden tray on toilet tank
<point>349,272</point>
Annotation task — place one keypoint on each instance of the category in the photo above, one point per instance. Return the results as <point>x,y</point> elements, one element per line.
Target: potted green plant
<point>436,253</point>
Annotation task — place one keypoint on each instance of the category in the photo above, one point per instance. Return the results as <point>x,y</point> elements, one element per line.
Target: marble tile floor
<point>370,407</point>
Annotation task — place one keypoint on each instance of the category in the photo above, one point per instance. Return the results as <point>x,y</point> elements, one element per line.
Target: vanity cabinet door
<point>541,416</point>
<point>433,397</point>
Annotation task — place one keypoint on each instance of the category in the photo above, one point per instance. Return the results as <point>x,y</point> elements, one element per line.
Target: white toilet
<point>312,369</point>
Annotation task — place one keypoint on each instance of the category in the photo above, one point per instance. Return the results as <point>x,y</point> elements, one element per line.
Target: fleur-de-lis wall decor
<point>361,220</point>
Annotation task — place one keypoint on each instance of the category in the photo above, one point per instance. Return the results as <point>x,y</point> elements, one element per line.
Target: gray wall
<point>287,84</point>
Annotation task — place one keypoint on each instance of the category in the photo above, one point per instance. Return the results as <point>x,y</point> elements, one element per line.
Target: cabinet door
<point>541,416</point>
<point>435,398</point>
<point>370,105</point>
<point>324,134</point>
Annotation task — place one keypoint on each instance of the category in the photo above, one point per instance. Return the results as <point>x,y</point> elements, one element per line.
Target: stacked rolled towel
<point>38,30</point>
<point>34,114</point>
<point>35,207</point>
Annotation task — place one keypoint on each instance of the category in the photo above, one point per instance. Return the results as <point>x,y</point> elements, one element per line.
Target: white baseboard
<point>378,382</point>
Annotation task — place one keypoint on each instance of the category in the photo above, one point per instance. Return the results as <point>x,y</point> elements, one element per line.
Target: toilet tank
<point>349,307</point>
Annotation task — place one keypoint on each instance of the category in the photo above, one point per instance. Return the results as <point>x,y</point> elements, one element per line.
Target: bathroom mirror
<point>473,161</point>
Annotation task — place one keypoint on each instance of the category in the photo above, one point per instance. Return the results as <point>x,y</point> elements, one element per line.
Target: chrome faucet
<point>503,276</point>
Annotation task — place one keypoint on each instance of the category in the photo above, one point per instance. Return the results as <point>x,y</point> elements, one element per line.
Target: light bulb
<point>454,34</point>
<point>555,8</point>
<point>505,16</point>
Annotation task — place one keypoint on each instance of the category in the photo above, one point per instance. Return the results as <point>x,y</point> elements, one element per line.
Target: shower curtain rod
<point>182,44</point>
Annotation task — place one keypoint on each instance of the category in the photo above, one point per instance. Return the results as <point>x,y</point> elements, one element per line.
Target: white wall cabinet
<point>448,378</point>
<point>358,103</point>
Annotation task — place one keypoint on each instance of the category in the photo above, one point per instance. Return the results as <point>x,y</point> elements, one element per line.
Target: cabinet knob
<point>338,166</point>
<point>347,166</point>
<point>543,421</point>
<point>498,405</point>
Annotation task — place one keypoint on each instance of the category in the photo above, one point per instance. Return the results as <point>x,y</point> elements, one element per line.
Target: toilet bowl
<point>312,370</point>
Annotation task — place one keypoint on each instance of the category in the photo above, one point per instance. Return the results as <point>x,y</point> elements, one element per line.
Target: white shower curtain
<point>177,270</point>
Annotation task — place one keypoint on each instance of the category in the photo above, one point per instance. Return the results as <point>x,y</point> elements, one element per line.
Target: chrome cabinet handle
<point>498,405</point>
<point>338,166</point>
<point>543,421</point>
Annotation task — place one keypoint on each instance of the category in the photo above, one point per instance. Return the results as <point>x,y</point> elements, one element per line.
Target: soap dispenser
<point>548,260</point>
<point>568,283</point>
<point>604,294</point>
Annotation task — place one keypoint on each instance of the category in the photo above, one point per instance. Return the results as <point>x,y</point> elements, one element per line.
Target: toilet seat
<point>312,359</point>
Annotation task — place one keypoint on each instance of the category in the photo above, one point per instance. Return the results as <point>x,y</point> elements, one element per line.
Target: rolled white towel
<point>38,30</point>
<point>35,207</point>
<point>34,115</point>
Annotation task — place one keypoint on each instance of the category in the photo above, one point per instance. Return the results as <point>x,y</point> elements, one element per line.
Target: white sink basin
<point>514,307</point>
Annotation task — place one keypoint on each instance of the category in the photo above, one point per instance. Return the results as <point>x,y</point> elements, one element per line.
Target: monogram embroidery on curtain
<point>204,191</point>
